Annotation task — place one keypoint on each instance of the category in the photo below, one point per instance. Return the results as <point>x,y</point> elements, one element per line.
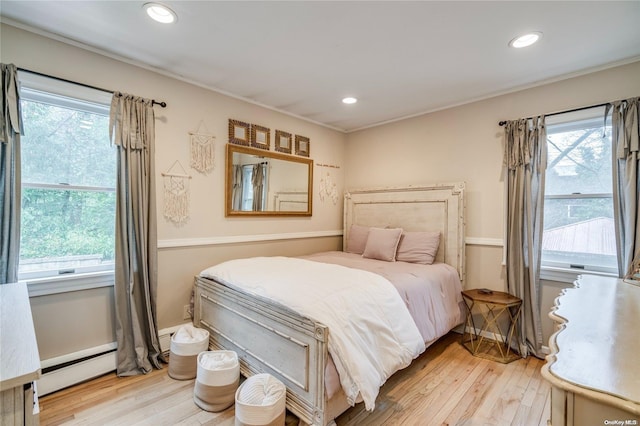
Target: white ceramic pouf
<point>217,380</point>
<point>260,401</point>
<point>186,344</point>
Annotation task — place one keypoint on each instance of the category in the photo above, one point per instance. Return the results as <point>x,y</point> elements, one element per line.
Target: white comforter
<point>371,333</point>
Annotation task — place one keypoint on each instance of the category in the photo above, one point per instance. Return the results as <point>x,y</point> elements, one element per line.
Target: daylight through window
<point>579,228</point>
<point>68,185</point>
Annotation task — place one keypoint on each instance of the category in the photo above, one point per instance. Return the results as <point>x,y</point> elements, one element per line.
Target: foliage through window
<point>579,228</point>
<point>68,185</point>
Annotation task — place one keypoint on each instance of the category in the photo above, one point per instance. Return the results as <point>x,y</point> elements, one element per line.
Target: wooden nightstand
<point>499,313</point>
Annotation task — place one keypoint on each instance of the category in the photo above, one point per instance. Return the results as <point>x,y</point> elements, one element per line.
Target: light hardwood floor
<point>444,386</point>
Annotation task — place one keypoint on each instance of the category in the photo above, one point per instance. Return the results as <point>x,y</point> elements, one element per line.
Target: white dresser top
<point>19,357</point>
<point>597,350</point>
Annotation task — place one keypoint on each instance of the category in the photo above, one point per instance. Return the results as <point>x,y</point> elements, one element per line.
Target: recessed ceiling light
<point>525,40</point>
<point>160,13</point>
<point>349,100</point>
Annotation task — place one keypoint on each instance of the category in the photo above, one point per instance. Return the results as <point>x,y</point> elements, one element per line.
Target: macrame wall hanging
<point>328,187</point>
<point>202,150</point>
<point>176,193</point>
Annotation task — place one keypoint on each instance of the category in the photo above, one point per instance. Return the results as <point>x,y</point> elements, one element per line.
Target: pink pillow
<point>357,239</point>
<point>418,247</point>
<point>382,244</point>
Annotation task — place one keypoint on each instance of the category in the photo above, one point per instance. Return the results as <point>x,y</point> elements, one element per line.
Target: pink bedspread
<point>431,293</point>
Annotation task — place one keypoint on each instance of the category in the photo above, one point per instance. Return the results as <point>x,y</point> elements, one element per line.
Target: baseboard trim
<point>87,364</point>
<point>544,350</point>
<point>486,334</point>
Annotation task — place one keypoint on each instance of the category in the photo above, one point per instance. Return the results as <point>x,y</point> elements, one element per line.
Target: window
<point>579,232</point>
<point>68,169</point>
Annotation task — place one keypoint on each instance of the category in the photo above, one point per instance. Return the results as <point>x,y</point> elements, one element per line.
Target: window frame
<point>39,88</point>
<point>561,271</point>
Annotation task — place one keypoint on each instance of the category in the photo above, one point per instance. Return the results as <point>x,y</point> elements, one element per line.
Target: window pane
<point>66,229</point>
<point>563,212</point>
<point>579,161</point>
<point>579,232</point>
<point>66,146</point>
<point>578,212</point>
<point>68,186</point>
<point>247,188</point>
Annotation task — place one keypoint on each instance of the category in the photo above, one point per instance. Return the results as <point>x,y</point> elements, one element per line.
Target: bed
<point>270,337</point>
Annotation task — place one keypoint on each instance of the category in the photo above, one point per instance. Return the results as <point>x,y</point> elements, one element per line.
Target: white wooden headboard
<point>438,207</point>
<point>291,201</point>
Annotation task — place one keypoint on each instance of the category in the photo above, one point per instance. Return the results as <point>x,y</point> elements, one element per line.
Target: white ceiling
<point>398,58</point>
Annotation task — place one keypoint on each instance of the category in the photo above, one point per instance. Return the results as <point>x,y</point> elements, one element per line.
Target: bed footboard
<point>268,338</point>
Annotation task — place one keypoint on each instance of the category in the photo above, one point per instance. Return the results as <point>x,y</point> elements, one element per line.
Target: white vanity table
<point>19,357</point>
<point>594,365</point>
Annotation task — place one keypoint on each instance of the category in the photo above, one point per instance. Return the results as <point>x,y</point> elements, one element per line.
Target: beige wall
<point>462,143</point>
<point>189,106</point>
<point>465,144</point>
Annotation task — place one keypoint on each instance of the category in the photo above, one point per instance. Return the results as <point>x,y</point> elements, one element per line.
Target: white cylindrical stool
<point>260,401</point>
<point>217,380</point>
<point>186,344</point>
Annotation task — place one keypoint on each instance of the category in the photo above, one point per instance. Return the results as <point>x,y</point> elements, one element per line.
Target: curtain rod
<point>502,123</point>
<point>153,101</point>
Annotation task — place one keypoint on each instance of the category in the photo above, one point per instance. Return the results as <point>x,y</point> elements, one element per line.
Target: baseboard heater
<point>70,369</point>
<point>77,367</point>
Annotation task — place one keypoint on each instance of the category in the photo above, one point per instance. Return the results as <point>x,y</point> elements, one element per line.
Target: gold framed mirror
<point>266,183</point>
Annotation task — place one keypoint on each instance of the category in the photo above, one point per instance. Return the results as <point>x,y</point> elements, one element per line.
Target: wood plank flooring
<point>444,386</point>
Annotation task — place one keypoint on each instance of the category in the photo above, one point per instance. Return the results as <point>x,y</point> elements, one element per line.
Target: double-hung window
<point>579,232</point>
<point>68,170</point>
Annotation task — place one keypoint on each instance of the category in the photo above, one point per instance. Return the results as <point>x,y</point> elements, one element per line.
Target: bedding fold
<point>362,309</point>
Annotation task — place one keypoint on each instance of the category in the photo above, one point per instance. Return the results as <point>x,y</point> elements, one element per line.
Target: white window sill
<point>565,275</point>
<point>68,283</point>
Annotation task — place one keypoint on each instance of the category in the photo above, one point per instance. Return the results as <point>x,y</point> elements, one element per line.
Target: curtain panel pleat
<point>257,179</point>
<point>625,127</point>
<point>10,179</point>
<point>131,128</point>
<point>525,157</point>
<point>236,201</point>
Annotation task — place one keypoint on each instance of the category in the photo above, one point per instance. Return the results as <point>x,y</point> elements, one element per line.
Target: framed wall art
<point>260,137</point>
<point>239,132</point>
<point>284,141</point>
<point>302,145</point>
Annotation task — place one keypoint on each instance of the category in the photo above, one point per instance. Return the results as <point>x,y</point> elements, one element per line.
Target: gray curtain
<point>236,200</point>
<point>526,161</point>
<point>625,122</point>
<point>10,191</point>
<point>257,179</point>
<point>131,128</point>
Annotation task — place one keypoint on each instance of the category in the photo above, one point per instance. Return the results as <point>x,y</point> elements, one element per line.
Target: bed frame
<point>287,201</point>
<point>269,338</point>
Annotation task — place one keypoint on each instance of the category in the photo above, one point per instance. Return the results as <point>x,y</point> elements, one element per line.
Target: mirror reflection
<point>267,183</point>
